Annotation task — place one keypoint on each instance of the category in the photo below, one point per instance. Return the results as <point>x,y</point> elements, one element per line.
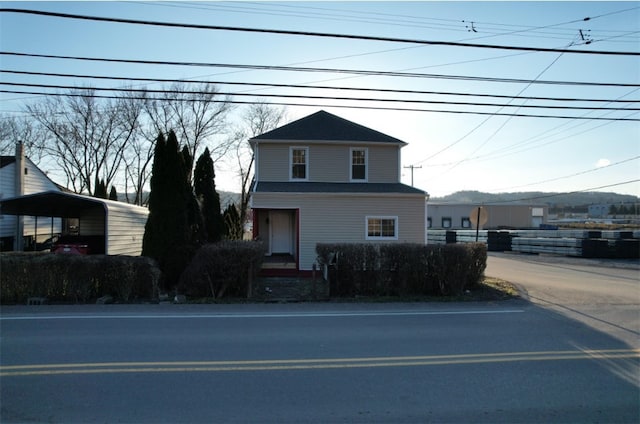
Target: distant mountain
<point>553,200</point>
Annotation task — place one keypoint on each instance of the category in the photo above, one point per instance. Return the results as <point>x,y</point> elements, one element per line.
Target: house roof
<point>324,126</point>
<point>315,187</point>
<point>6,160</point>
<point>59,204</point>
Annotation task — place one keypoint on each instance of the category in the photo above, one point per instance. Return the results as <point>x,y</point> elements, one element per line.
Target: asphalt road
<point>514,361</point>
<point>603,294</point>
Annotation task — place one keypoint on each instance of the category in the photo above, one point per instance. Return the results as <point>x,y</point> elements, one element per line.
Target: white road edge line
<point>258,315</point>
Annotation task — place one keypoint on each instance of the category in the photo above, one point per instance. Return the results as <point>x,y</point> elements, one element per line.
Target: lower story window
<point>382,227</point>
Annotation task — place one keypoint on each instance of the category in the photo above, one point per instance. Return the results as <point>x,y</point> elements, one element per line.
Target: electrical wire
<point>323,70</point>
<point>314,97</point>
<point>311,33</point>
<point>547,196</point>
<point>322,87</point>
<point>317,105</point>
<point>569,176</point>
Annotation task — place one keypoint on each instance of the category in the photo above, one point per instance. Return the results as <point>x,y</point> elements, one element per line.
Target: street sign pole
<point>478,223</point>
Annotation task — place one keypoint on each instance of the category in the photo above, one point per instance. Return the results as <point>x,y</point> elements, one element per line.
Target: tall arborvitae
<point>205,189</point>
<point>233,224</point>
<point>113,194</point>
<point>167,236</point>
<point>194,214</point>
<point>188,161</point>
<point>100,189</point>
<point>154,240</point>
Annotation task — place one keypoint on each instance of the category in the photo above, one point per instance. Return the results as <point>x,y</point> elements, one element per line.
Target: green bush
<point>226,268</point>
<point>402,269</point>
<point>76,278</point>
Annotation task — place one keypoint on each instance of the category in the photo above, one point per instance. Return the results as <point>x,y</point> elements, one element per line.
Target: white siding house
<point>19,176</point>
<point>323,179</point>
<point>34,207</point>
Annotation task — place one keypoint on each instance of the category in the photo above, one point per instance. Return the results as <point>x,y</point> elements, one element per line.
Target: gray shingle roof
<point>324,126</point>
<point>6,160</point>
<point>315,187</point>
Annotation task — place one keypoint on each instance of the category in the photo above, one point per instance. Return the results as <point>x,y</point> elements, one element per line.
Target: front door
<point>280,232</point>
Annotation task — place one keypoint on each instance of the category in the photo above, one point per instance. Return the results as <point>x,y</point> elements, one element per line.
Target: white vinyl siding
<point>331,218</point>
<point>328,163</point>
<point>125,228</point>
<point>35,181</point>
<point>273,162</point>
<point>383,164</point>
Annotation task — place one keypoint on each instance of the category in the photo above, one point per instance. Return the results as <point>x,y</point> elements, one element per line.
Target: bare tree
<point>14,129</point>
<point>257,119</point>
<point>87,136</point>
<point>196,113</point>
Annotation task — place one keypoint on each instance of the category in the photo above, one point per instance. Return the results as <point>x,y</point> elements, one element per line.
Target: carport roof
<point>50,203</point>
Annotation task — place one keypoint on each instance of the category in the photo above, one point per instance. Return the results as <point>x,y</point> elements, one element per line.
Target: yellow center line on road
<point>311,364</point>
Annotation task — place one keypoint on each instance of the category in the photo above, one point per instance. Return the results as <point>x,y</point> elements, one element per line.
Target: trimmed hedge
<point>402,269</point>
<point>76,278</point>
<point>226,268</point>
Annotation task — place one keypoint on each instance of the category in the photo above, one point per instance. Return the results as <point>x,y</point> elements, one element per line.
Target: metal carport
<point>121,224</point>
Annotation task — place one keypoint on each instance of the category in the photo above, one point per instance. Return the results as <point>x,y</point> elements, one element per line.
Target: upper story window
<point>358,164</point>
<point>299,160</point>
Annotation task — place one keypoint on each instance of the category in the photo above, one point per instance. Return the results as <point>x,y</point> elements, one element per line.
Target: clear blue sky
<point>456,151</point>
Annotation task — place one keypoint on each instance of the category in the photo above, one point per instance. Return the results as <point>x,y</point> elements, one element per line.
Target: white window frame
<point>379,238</point>
<point>306,163</point>
<point>366,164</point>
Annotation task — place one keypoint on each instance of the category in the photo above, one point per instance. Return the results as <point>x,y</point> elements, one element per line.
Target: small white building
<point>20,176</point>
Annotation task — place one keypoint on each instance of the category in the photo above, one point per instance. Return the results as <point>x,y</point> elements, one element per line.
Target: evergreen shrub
<point>402,269</point>
<point>76,278</point>
<point>225,268</point>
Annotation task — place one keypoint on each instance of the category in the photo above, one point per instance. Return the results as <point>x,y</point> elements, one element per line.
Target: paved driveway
<point>604,294</point>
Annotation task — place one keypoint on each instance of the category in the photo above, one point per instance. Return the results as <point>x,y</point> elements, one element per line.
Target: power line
<point>317,105</point>
<point>570,192</point>
<point>315,97</point>
<point>588,171</point>
<point>323,70</point>
<point>321,87</point>
<point>346,15</point>
<point>311,34</point>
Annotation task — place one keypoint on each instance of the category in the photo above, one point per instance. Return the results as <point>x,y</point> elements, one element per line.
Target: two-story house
<point>324,179</point>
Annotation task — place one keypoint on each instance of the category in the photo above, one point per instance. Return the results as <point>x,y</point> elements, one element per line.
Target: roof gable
<point>324,126</point>
<point>6,160</point>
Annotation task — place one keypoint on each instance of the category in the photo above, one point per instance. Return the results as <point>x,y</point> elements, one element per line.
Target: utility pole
<point>412,167</point>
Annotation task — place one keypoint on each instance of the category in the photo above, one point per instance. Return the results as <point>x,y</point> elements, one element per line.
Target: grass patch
<point>494,289</point>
